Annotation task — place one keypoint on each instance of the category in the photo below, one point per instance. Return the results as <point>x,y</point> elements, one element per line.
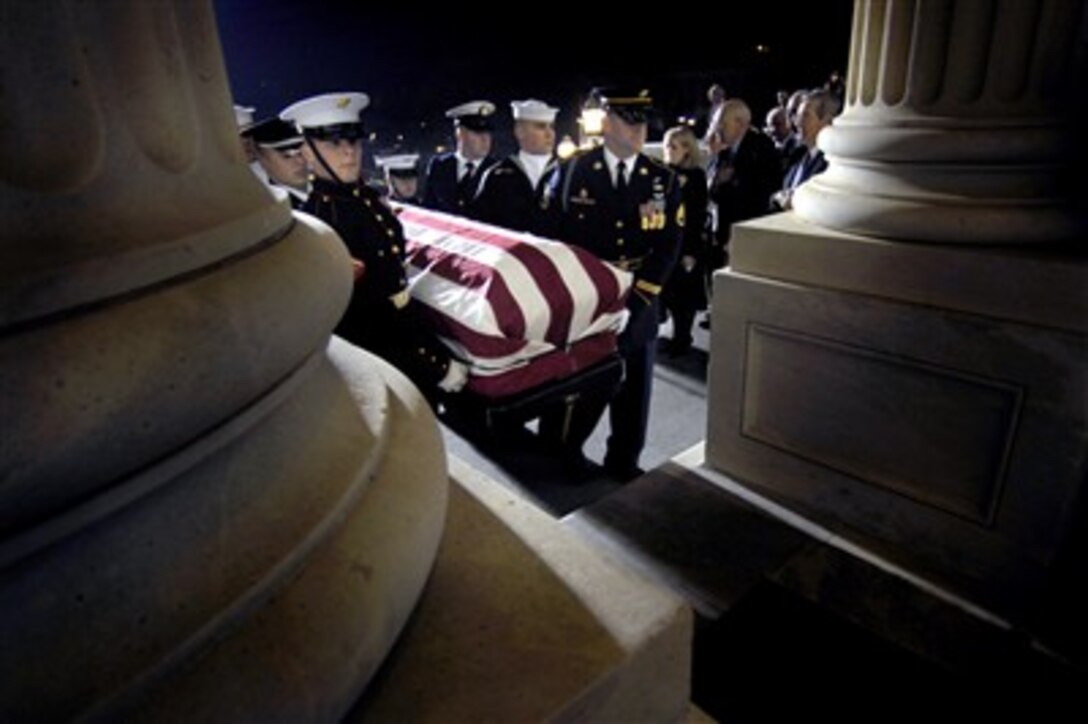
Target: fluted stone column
<point>902,357</point>
<point>956,126</point>
<point>207,513</point>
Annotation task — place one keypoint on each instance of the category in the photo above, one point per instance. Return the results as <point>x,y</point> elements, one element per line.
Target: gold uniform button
<point>619,242</point>
<point>389,232</point>
<point>619,224</point>
<point>355,193</point>
<point>381,252</point>
<point>396,249</point>
<point>623,258</point>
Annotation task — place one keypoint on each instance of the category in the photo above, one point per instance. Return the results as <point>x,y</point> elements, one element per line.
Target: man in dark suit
<point>817,111</point>
<point>453,178</point>
<point>381,316</point>
<point>625,208</point>
<point>511,191</point>
<point>741,178</point>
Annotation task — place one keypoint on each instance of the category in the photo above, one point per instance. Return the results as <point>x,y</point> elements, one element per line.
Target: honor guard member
<point>453,178</point>
<point>243,118</point>
<point>511,191</point>
<point>278,161</point>
<point>401,177</point>
<point>624,207</point>
<point>381,316</point>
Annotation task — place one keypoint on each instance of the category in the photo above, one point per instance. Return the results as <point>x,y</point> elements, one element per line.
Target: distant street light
<point>566,148</point>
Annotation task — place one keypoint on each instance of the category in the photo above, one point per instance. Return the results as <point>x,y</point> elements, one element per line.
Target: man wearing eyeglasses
<point>278,161</point>
<point>381,316</point>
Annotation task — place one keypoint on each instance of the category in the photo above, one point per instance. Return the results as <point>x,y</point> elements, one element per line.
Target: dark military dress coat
<point>441,189</point>
<point>507,198</point>
<point>381,317</point>
<point>640,231</point>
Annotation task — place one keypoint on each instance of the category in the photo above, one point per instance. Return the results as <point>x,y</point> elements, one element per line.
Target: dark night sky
<point>415,64</point>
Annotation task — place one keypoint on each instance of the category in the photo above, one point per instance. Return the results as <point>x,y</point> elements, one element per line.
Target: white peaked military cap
<point>533,110</point>
<point>243,116</point>
<point>474,115</point>
<point>402,163</point>
<point>329,109</point>
<point>472,108</point>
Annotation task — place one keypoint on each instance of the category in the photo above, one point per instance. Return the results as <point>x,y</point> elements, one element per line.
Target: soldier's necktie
<point>464,186</point>
<point>621,179</point>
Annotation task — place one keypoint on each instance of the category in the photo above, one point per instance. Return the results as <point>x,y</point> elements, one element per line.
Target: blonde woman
<point>685,292</point>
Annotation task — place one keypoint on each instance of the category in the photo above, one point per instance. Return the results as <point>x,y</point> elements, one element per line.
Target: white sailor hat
<point>243,116</point>
<point>402,164</point>
<point>533,110</point>
<point>474,115</point>
<point>327,114</point>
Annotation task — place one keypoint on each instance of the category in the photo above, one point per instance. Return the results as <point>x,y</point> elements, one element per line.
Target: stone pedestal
<point>903,359</point>
<point>929,400</point>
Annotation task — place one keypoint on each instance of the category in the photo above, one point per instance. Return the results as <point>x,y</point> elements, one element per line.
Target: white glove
<point>456,377</point>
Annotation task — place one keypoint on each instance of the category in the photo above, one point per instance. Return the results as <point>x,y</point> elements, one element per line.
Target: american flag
<point>518,309</point>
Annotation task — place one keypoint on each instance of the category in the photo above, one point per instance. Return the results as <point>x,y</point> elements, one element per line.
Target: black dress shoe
<point>677,348</point>
<point>577,467</point>
<point>622,472</point>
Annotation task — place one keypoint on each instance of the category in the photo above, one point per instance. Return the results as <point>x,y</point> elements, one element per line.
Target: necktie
<point>465,188</point>
<point>621,179</point>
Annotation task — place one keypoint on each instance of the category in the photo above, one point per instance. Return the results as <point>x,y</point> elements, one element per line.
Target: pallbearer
<point>401,176</point>
<point>278,161</point>
<point>453,178</point>
<point>381,316</point>
<point>512,191</point>
<point>625,208</point>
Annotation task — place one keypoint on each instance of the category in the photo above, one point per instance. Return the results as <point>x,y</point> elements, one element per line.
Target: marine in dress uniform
<point>401,176</point>
<point>625,208</point>
<point>381,316</point>
<point>278,161</point>
<point>511,191</point>
<point>453,178</point>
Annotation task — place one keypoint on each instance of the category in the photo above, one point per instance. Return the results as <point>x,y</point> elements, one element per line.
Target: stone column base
<point>927,400</point>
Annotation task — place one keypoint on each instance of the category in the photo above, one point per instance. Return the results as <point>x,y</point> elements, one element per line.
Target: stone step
<point>524,621</point>
<point>781,602</point>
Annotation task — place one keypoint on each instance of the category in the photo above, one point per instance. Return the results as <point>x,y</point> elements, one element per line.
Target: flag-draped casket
<point>518,309</point>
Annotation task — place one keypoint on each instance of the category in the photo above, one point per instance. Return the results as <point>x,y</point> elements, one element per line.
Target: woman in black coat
<point>685,292</point>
